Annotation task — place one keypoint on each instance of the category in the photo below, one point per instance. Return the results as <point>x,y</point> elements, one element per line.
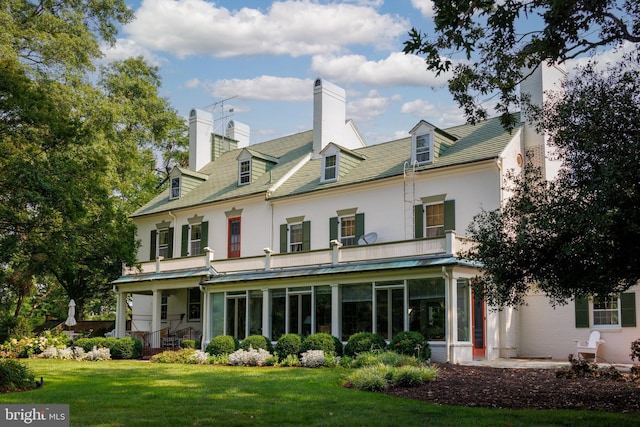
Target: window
<point>389,308</point>
<point>323,309</point>
<point>245,172</point>
<point>255,313</point>
<point>348,230</point>
<point>357,309</point>
<point>329,169</point>
<point>193,302</point>
<point>423,148</point>
<point>236,315</point>
<point>278,311</point>
<point>463,309</point>
<point>163,243</point>
<point>434,220</point>
<point>427,307</point>
<point>606,310</point>
<point>175,188</point>
<point>196,239</point>
<point>233,248</point>
<point>295,237</point>
<point>300,311</point>
<point>164,304</point>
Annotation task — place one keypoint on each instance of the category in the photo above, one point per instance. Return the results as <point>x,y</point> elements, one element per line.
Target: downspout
<point>447,294</point>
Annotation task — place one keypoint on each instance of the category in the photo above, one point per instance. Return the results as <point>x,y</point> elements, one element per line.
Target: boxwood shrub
<point>120,348</point>
<point>222,344</point>
<point>364,341</point>
<point>256,342</point>
<point>288,344</point>
<point>319,341</point>
<point>412,344</point>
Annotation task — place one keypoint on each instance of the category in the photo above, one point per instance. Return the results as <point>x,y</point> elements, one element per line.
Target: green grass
<point>134,393</point>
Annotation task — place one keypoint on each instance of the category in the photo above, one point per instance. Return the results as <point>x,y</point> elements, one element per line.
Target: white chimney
<point>329,114</point>
<point>200,129</point>
<point>240,132</point>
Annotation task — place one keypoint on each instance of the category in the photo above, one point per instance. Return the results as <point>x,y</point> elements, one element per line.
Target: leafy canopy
<point>483,44</point>
<point>579,234</point>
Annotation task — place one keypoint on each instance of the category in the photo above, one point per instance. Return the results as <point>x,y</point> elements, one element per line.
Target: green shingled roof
<point>482,141</point>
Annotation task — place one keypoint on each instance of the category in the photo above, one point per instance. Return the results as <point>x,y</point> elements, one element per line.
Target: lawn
<point>135,393</point>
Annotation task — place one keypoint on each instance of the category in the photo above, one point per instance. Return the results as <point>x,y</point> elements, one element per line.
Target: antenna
<point>214,106</point>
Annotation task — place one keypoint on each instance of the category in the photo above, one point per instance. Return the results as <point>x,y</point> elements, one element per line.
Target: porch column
<point>266,313</point>
<point>206,318</point>
<point>156,303</point>
<point>121,314</point>
<point>335,311</point>
<point>453,316</point>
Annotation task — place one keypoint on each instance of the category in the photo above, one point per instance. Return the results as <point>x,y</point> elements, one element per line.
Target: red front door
<point>479,327</point>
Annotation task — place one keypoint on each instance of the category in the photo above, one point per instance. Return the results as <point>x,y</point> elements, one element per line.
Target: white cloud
<point>263,88</point>
<point>292,27</point>
<point>397,69</point>
<point>610,56</point>
<point>367,108</point>
<point>439,115</point>
<point>424,6</point>
<point>125,48</point>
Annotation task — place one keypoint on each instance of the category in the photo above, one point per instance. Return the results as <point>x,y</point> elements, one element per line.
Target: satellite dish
<point>368,238</point>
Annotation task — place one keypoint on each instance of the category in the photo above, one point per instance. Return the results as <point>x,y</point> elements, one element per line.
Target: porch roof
<point>165,275</point>
<point>354,267</point>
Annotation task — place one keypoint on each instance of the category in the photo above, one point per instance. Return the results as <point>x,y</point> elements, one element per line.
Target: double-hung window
<point>175,188</point>
<point>606,310</point>
<point>348,230</point>
<point>330,168</point>
<point>295,237</point>
<point>434,220</point>
<point>194,304</point>
<point>195,240</point>
<point>423,148</point>
<point>244,172</point>
<point>163,243</point>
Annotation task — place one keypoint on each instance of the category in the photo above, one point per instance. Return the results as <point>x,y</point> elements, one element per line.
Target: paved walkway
<point>535,364</point>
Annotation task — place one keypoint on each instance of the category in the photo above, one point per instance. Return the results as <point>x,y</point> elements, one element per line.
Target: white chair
<point>589,349</point>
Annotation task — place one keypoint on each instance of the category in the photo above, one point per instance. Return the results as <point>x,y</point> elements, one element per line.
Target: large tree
<point>579,234</point>
<point>487,44</point>
<point>77,153</point>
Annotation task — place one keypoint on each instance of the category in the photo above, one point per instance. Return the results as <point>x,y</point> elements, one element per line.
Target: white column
<point>156,316</point>
<point>335,310</point>
<point>266,313</point>
<point>206,318</point>
<point>121,314</point>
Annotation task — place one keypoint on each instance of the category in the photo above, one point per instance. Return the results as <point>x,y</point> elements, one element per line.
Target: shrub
<point>339,346</point>
<point>97,354</point>
<point>15,376</point>
<point>120,348</point>
<point>187,356</point>
<point>364,341</point>
<point>635,350</point>
<point>251,357</point>
<point>390,358</point>
<point>411,343</point>
<point>288,344</point>
<point>319,341</point>
<point>411,376</point>
<point>291,360</point>
<point>372,378</point>
<point>188,344</point>
<point>256,341</point>
<point>222,344</point>
<point>313,359</point>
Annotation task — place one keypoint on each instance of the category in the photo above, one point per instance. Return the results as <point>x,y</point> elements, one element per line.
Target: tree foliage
<point>78,153</point>
<point>579,234</point>
<point>485,47</point>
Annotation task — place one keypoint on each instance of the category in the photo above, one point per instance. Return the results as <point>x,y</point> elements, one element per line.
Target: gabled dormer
<point>252,164</point>
<point>337,161</point>
<point>428,142</point>
<point>181,181</point>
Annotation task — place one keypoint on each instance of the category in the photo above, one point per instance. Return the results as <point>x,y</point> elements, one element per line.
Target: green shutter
<point>153,251</point>
<point>184,248</point>
<point>359,226</point>
<point>582,312</point>
<point>418,221</point>
<point>333,228</point>
<point>170,245</point>
<point>306,235</point>
<point>449,215</point>
<point>204,235</point>
<point>628,309</point>
<point>284,238</point>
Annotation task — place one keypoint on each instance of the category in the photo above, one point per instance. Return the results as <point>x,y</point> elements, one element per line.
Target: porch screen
<point>357,309</point>
<point>427,312</point>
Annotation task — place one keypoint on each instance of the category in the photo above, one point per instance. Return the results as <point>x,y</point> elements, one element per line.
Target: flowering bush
<point>98,354</point>
<point>29,346</point>
<point>313,359</point>
<point>251,357</point>
<point>68,353</point>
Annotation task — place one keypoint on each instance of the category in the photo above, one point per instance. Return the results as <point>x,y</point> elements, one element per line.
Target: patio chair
<point>589,349</point>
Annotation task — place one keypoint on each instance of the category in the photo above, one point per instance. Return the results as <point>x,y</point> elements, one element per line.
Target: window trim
<point>428,148</point>
<point>174,190</point>
<point>244,176</point>
<point>298,244</point>
<point>333,167</point>
<point>194,303</point>
<point>617,311</point>
<point>160,245</point>
<point>439,227</point>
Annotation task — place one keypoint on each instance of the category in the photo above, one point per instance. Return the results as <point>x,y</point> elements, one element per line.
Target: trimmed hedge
<point>319,341</point>
<point>256,342</point>
<point>412,344</point>
<point>120,348</point>
<point>222,344</point>
<point>364,341</point>
<point>288,344</point>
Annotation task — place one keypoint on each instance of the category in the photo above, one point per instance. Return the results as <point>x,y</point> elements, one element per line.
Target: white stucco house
<point>319,232</point>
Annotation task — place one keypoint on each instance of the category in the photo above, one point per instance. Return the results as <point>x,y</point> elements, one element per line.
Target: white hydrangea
<point>313,359</point>
<point>98,354</point>
<point>50,353</point>
<point>200,357</point>
<point>65,353</point>
<point>249,357</point>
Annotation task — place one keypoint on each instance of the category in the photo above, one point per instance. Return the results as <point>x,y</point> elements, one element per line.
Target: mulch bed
<point>475,386</point>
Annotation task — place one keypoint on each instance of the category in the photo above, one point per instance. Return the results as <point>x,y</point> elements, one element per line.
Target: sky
<point>255,62</point>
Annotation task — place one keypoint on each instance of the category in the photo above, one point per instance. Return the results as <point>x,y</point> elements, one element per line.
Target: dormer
<point>252,164</point>
<point>181,181</point>
<point>428,142</point>
<point>337,161</point>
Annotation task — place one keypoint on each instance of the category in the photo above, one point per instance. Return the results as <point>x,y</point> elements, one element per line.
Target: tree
<point>494,48</point>
<point>579,234</point>
<point>77,154</point>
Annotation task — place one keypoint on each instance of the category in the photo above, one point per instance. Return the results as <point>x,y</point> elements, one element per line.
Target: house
<point>319,232</point>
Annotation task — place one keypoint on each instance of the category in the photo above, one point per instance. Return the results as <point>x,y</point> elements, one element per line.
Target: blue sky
<point>265,56</point>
